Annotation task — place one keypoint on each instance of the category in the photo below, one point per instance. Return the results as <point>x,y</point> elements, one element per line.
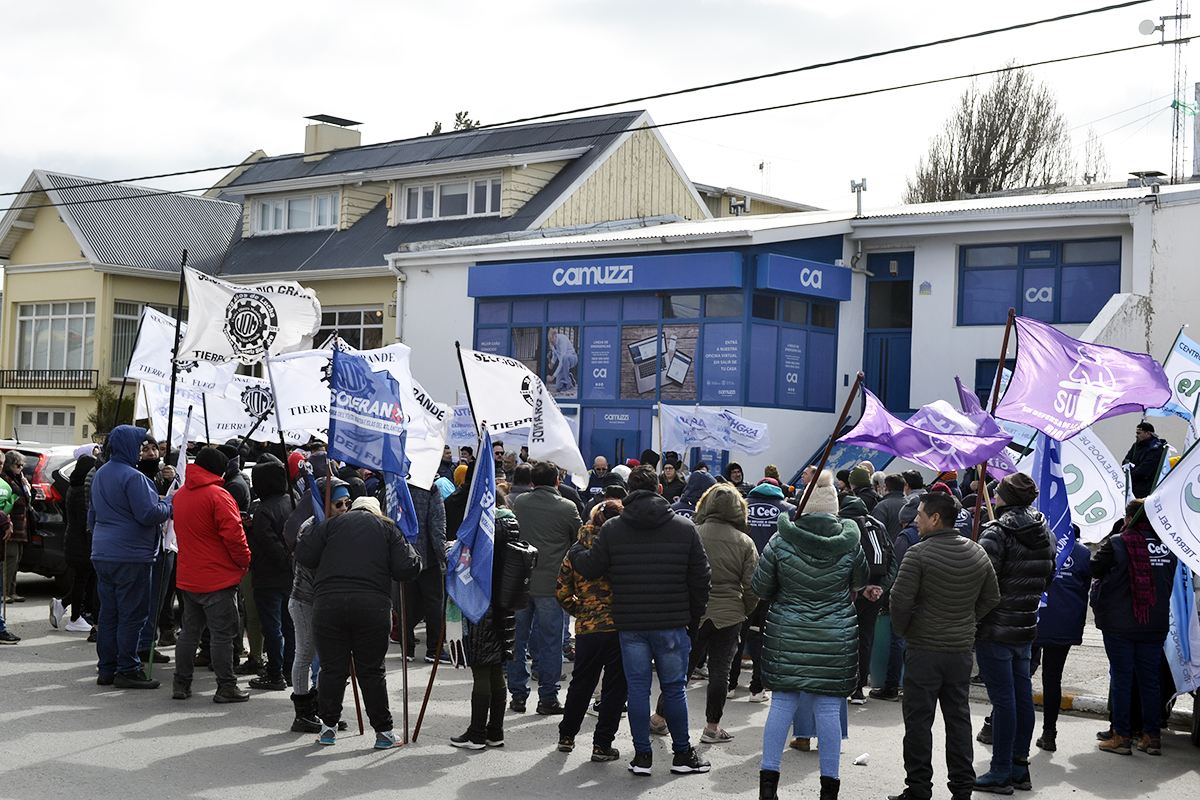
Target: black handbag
<point>515,574</point>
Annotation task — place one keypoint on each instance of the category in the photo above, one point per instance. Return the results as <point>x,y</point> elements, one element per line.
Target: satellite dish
<point>1147,27</point>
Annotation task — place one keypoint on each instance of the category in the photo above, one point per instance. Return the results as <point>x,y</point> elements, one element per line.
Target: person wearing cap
<point>1144,459</point>
<point>614,489</point>
<point>124,517</point>
<point>945,584</point>
<point>859,481</point>
<point>1021,547</point>
<point>213,557</point>
<point>354,558</point>
<point>808,572</point>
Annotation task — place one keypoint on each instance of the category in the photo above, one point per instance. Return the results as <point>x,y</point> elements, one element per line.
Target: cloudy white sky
<point>117,89</point>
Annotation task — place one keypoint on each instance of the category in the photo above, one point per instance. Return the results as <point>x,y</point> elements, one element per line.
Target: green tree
<point>101,419</point>
<point>462,122</point>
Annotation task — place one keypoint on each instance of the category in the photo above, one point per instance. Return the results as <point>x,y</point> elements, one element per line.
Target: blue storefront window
<point>528,311</point>
<point>1055,282</point>
<point>493,313</point>
<point>601,309</point>
<point>640,308</point>
<point>562,311</point>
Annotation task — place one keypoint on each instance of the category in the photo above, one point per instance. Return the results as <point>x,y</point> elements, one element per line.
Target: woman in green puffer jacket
<point>808,573</point>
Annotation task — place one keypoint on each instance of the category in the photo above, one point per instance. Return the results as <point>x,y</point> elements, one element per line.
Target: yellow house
<point>81,259</point>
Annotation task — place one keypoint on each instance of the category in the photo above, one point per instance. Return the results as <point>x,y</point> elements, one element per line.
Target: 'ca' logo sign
<point>810,278</point>
<point>1042,295</point>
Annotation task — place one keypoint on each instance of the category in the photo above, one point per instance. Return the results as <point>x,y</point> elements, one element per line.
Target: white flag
<point>247,401</point>
<point>302,388</point>
<point>153,403</point>
<point>1183,371</point>
<point>151,359</point>
<point>1174,509</point>
<point>1095,484</point>
<point>240,323</point>
<point>743,435</point>
<point>504,395</point>
<point>425,453</point>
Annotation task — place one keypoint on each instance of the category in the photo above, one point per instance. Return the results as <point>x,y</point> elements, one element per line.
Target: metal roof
<point>125,225</point>
<point>452,147</point>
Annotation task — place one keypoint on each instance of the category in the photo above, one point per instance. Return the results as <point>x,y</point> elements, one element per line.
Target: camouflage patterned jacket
<point>589,601</point>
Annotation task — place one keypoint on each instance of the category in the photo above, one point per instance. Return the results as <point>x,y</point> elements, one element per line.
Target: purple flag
<point>999,464</point>
<point>930,438</point>
<point>1061,385</point>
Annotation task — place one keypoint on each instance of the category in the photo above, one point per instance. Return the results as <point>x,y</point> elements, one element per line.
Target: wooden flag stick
<point>829,447</point>
<point>981,473</point>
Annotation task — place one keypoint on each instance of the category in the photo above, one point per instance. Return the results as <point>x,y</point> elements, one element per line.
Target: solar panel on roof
<point>345,123</point>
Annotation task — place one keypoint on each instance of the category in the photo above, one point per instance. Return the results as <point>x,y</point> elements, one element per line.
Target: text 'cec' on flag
<point>241,323</point>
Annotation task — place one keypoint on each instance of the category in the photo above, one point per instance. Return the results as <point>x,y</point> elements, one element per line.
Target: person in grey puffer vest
<point>1021,547</point>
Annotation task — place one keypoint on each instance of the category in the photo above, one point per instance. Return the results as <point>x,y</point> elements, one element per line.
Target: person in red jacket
<point>213,557</point>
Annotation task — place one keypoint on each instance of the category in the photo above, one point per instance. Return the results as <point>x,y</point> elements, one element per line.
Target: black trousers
<point>424,599</point>
<point>752,635</point>
<point>353,626</point>
<point>1052,658</point>
<point>933,679</point>
<point>596,652</point>
<point>868,613</point>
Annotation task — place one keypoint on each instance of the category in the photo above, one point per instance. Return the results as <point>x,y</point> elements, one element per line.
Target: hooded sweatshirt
<point>271,559</point>
<point>1022,550</point>
<point>732,556</point>
<point>697,484</point>
<point>125,511</point>
<point>655,562</point>
<point>764,505</point>
<point>213,553</point>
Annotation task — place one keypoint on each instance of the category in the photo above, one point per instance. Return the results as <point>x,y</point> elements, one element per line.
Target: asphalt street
<point>66,738</point>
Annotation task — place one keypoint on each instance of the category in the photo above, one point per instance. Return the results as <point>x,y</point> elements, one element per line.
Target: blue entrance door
<point>887,361</point>
<point>616,445</point>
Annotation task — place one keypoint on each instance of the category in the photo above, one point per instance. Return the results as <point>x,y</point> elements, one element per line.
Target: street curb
<point>1087,705</point>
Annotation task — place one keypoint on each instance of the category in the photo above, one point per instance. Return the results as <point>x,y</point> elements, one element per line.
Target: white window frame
<point>278,209</point>
<point>27,317</point>
<point>493,194</point>
<point>325,331</point>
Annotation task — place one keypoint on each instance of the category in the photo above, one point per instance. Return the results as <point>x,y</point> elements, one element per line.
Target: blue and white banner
<point>462,428</point>
<point>1183,370</point>
<point>1174,509</point>
<point>469,571</point>
<point>1094,480</point>
<point>685,427</point>
<point>1182,646</point>
<point>366,419</point>
<point>400,506</point>
<point>1052,499</point>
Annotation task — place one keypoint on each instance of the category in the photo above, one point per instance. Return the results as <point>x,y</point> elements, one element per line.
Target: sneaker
<point>884,693</point>
<point>328,735</point>
<point>430,658</point>
<point>167,637</point>
<point>994,782</point>
<point>719,736</point>
<point>985,733</point>
<point>102,679</point>
<point>700,673</point>
<point>273,684</point>
<point>230,693</point>
<point>1046,742</point>
<point>660,729</point>
<point>248,667</point>
<point>134,680</point>
<point>79,625</point>
<point>385,740</point>
<point>517,704</point>
<point>857,698</point>
<point>490,742</point>
<point>801,743</point>
<point>569,653</point>
<point>687,762</point>
<point>758,697</point>
<point>92,636</point>
<point>549,709</point>
<point>466,742</point>
<point>1020,777</point>
<point>410,659</point>
<point>600,754</point>
<point>566,744</point>
<point>1149,746</point>
<point>641,764</point>
<point>181,690</point>
<point>594,708</point>
<point>159,658</point>
<point>732,693</point>
<point>56,612</point>
<point>7,637</point>
<point>1104,735</point>
<point>977,680</point>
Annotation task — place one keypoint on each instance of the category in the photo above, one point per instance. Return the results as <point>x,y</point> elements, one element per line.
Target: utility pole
<point>858,187</point>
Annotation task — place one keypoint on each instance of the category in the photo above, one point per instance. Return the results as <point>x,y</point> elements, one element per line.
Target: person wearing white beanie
<point>824,499</point>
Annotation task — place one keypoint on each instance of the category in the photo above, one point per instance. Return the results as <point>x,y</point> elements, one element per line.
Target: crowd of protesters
<point>299,571</point>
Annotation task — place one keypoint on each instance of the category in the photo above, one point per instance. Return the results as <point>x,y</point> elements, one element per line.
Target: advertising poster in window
<point>492,340</point>
<point>791,367</point>
<point>527,348</point>
<point>562,361</point>
<point>600,363</point>
<point>642,351</point>
<point>722,363</point>
<point>679,353</point>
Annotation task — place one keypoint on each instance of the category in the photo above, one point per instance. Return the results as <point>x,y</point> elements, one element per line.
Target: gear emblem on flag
<point>251,324</point>
<point>527,388</point>
<point>257,400</point>
<point>186,366</point>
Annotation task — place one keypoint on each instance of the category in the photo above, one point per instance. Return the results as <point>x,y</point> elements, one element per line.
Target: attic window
<point>453,198</point>
<point>296,213</point>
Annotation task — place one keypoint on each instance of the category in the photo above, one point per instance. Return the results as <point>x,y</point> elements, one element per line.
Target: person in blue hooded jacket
<point>124,517</point>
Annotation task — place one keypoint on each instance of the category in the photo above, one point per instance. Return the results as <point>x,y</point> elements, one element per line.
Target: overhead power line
<point>692,120</point>
<point>660,95</point>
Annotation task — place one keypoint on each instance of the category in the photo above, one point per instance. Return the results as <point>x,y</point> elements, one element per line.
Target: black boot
<point>306,720</point>
<point>768,784</point>
<point>495,725</point>
<point>829,787</point>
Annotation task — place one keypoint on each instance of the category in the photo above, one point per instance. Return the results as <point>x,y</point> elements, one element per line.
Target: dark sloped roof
<point>126,225</point>
<point>457,146</point>
<point>367,241</point>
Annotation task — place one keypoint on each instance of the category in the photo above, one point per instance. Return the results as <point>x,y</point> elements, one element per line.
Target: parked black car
<point>43,554</point>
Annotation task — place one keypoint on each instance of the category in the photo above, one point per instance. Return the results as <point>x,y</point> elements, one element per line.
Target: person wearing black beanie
<point>213,460</point>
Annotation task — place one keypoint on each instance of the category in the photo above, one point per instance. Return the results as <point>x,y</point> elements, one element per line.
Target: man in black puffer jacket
<point>1021,548</point>
<point>271,567</point>
<point>660,580</point>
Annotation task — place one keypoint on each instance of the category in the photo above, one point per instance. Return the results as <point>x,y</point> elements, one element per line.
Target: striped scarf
<point>1141,579</point>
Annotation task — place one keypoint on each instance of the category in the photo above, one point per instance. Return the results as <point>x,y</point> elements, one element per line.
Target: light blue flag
<point>469,573</point>
<point>1052,499</point>
<point>400,505</point>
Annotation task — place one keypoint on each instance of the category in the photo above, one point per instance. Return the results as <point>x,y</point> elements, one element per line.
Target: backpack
<point>876,546</point>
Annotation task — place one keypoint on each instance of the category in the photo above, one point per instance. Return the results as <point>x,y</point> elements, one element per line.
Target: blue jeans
<point>669,651</point>
<point>279,638</point>
<point>1005,671</point>
<point>1127,655</point>
<point>546,647</point>
<point>828,714</point>
<point>895,669</point>
<point>124,590</point>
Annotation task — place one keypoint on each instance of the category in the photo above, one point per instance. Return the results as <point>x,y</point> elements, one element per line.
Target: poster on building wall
<point>679,372</point>
<point>600,363</point>
<point>562,362</point>
<point>792,350</point>
<point>642,359</point>
<point>722,363</point>
<point>527,348</point>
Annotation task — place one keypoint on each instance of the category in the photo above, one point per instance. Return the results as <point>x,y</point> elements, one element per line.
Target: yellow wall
<point>358,200</point>
<point>719,206</point>
<point>359,292</point>
<point>636,181</point>
<point>50,241</point>
<point>519,185</point>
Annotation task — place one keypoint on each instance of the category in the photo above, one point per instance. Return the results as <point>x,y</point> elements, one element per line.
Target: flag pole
<point>175,351</point>
<point>162,581</point>
<point>467,387</point>
<point>982,471</point>
<point>204,406</point>
<point>278,426</point>
<point>829,447</point>
<point>125,375</point>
